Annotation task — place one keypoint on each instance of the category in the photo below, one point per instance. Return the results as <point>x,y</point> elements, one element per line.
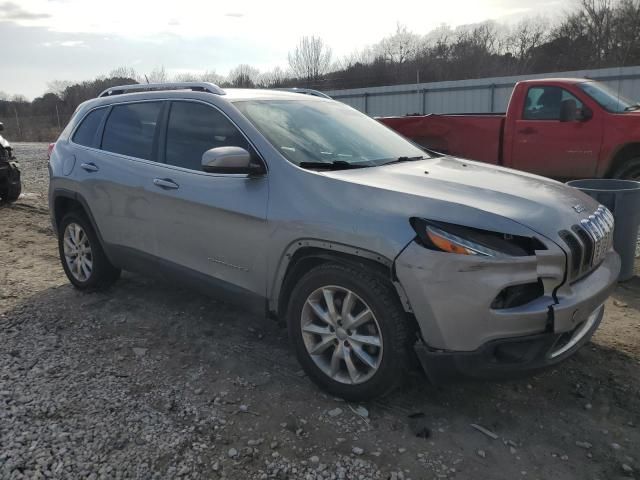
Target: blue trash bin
<point>622,197</point>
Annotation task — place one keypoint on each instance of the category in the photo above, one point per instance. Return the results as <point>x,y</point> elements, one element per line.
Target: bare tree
<point>400,47</point>
<point>627,31</point>
<point>58,87</point>
<point>589,32</point>
<point>525,37</point>
<point>273,78</point>
<point>598,16</point>
<point>310,59</point>
<point>157,75</point>
<point>123,72</point>
<point>212,76</point>
<point>243,76</point>
<point>365,56</point>
<point>186,77</point>
<point>207,76</point>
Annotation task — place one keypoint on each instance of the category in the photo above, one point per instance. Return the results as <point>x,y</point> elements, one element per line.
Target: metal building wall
<point>478,96</point>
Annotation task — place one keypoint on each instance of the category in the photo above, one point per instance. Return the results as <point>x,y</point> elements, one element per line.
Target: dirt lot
<point>151,381</point>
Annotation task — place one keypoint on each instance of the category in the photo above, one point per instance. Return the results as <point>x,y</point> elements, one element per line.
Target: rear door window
<point>130,129</point>
<point>86,133</point>
<point>194,128</point>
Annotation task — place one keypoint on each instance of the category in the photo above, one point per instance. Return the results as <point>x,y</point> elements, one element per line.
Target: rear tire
<point>82,256</point>
<point>630,170</point>
<point>340,351</point>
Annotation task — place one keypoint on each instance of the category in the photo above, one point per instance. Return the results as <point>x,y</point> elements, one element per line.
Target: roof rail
<point>306,91</point>
<point>141,87</point>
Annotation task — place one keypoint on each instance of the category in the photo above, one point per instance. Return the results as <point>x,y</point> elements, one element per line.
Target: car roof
<point>266,94</point>
<point>230,95</point>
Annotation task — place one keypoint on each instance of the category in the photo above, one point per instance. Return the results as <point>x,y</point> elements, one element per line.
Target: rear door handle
<point>527,131</point>
<point>165,183</point>
<point>89,167</point>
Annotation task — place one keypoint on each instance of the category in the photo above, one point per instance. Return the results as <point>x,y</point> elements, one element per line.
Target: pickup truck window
<point>607,98</point>
<point>545,103</point>
<point>324,132</point>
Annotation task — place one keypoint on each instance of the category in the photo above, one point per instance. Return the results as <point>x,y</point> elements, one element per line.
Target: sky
<point>45,40</point>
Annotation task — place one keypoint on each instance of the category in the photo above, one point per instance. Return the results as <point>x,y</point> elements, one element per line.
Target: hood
<point>426,187</point>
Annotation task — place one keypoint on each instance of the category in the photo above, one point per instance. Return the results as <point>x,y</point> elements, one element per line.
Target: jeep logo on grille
<point>579,208</point>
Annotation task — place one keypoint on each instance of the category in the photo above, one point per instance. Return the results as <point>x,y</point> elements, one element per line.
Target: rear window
<point>130,129</point>
<point>86,132</point>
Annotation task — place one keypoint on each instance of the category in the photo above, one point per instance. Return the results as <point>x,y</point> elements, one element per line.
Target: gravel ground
<point>150,381</point>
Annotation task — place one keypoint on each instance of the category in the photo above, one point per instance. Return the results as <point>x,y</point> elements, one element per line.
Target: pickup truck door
<point>546,145</point>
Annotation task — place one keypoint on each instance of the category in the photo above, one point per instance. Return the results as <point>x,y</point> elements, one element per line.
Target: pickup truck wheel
<point>349,332</point>
<point>630,170</point>
<point>82,256</point>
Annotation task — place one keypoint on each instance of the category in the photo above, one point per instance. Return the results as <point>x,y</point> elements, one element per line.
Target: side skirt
<point>149,265</point>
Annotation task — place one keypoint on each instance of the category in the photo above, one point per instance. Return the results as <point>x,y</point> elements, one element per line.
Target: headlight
<point>451,238</point>
<point>448,242</point>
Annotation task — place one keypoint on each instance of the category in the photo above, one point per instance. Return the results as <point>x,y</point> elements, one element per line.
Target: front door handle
<point>165,183</point>
<point>528,131</point>
<point>89,167</point>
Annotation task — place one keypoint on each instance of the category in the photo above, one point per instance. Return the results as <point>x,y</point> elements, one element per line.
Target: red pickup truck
<point>561,128</point>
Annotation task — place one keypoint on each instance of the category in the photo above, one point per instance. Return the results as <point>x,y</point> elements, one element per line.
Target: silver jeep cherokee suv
<point>373,250</point>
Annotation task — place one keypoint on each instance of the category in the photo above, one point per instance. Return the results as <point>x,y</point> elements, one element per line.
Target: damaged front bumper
<point>452,300</point>
<point>507,357</point>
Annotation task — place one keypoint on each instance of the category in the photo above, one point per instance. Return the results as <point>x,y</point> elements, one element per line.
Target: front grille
<point>589,241</point>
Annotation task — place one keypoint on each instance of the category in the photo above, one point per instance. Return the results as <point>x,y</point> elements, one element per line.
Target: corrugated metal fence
<point>482,95</point>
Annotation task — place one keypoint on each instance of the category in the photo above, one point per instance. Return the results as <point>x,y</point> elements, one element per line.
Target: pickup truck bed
<point>474,136</point>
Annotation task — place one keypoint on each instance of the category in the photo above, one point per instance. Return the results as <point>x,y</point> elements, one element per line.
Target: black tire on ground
<point>630,170</point>
<point>14,186</point>
<point>103,273</point>
<point>395,329</point>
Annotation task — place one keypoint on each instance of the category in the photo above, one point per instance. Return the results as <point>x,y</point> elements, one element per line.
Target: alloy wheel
<point>341,335</point>
<point>77,252</point>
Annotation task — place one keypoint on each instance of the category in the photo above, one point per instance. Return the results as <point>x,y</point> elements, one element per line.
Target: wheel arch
<point>303,255</point>
<point>623,154</point>
<point>66,201</point>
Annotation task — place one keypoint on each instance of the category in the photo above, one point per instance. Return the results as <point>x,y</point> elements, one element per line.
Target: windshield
<point>607,98</point>
<point>316,132</point>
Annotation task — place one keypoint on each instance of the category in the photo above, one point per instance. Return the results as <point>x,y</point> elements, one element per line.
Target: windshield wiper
<point>632,107</point>
<point>404,159</point>
<point>335,165</point>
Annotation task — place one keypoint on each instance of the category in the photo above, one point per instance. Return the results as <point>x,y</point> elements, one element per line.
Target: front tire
<point>630,170</point>
<point>82,256</point>
<point>349,331</point>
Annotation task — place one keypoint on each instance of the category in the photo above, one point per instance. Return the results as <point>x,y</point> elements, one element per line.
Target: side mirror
<point>1,126</point>
<point>230,160</point>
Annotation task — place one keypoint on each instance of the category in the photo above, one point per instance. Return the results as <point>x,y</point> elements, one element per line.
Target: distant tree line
<point>597,34</point>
